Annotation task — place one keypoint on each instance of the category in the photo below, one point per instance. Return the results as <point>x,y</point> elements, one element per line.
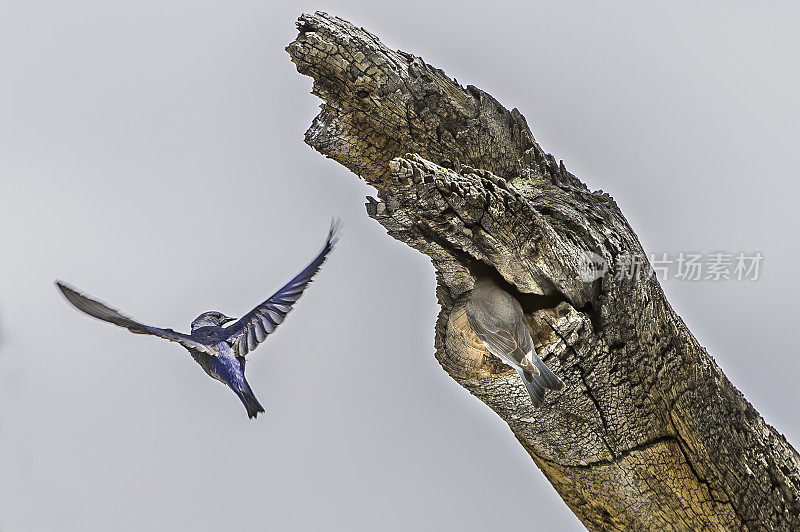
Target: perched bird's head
<point>211,319</point>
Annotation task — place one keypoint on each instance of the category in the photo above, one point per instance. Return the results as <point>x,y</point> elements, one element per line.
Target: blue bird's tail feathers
<point>249,401</point>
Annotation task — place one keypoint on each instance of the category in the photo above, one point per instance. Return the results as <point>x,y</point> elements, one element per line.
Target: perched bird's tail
<point>533,385</point>
<point>249,400</point>
<point>549,379</point>
<point>538,379</point>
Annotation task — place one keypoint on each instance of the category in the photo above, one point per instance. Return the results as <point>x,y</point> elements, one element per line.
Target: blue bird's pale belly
<point>224,366</point>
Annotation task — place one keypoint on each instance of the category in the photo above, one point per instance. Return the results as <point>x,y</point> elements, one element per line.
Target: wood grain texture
<point>648,432</point>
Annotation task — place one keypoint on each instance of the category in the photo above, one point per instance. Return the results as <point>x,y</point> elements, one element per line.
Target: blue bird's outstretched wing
<point>256,325</point>
<point>105,313</point>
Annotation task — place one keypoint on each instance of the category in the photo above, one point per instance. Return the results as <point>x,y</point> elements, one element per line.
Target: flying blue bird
<point>219,350</point>
<point>497,319</point>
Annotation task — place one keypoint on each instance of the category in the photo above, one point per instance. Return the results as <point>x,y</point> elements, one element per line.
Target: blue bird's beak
<point>227,319</point>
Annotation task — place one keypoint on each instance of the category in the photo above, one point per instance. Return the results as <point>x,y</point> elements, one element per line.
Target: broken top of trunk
<point>648,431</point>
<point>380,104</point>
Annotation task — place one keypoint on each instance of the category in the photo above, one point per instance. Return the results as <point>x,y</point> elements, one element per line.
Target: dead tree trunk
<point>648,433</point>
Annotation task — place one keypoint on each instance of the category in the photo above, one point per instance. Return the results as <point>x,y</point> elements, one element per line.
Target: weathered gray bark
<point>648,433</point>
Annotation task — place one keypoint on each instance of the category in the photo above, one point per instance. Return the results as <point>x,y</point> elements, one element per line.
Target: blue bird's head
<point>211,319</point>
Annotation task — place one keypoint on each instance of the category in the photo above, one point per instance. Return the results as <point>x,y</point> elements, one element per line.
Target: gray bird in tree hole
<point>497,319</point>
<point>219,350</point>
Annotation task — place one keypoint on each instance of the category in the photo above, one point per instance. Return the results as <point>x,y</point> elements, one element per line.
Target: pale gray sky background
<point>151,153</point>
